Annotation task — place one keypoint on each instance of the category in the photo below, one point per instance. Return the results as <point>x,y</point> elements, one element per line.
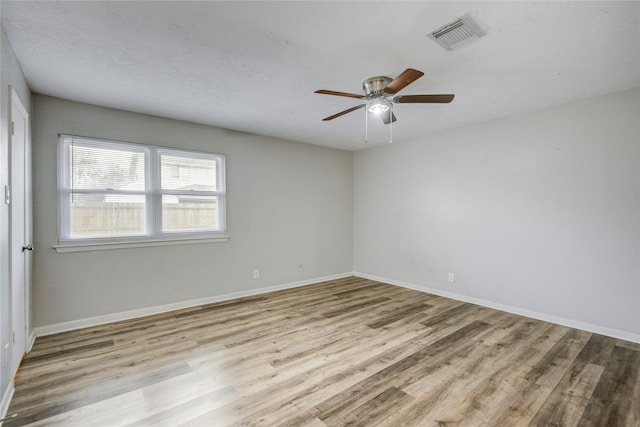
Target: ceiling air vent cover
<point>454,34</point>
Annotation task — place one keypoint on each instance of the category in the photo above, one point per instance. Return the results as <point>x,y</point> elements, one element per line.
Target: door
<point>20,226</point>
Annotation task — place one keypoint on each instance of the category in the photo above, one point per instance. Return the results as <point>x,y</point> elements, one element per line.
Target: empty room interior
<point>308,213</point>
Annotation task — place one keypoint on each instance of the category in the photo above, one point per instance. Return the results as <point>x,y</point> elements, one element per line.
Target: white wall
<point>538,213</point>
<point>287,203</point>
<point>10,76</point>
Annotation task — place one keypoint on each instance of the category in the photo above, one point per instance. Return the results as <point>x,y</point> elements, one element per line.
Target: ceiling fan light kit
<point>379,106</point>
<point>379,98</point>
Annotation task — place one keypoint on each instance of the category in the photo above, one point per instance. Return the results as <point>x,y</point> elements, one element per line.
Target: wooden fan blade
<point>407,77</point>
<point>424,99</point>
<point>388,117</point>
<point>333,92</point>
<point>342,113</point>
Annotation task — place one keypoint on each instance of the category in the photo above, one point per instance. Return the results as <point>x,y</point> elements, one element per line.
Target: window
<point>114,192</point>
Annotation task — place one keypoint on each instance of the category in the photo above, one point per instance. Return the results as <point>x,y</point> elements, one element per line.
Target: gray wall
<point>10,76</point>
<point>287,203</point>
<point>538,213</point>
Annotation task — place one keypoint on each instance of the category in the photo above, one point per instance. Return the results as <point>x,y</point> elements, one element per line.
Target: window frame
<point>153,234</point>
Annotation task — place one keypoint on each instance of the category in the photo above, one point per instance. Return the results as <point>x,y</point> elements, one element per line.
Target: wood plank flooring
<point>349,352</point>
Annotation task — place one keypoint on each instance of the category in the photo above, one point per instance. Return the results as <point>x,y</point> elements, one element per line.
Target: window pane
<point>189,213</point>
<point>187,173</point>
<point>100,215</point>
<point>102,168</point>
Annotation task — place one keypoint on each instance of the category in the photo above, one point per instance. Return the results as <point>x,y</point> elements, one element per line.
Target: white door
<point>20,226</point>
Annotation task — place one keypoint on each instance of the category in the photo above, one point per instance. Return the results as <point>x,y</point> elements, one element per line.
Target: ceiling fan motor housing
<point>375,85</point>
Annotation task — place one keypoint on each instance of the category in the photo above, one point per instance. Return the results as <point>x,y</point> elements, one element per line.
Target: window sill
<point>86,247</point>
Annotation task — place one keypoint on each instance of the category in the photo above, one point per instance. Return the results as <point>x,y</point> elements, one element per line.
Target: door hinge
<point>14,337</point>
<point>13,128</point>
<point>7,195</point>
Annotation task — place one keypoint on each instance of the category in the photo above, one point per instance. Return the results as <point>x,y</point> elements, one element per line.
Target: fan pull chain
<point>391,124</point>
<point>366,125</point>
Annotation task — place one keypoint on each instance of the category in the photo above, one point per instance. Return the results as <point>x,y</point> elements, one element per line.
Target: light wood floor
<point>346,352</point>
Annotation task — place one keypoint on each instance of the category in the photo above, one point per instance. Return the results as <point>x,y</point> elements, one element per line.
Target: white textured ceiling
<point>253,66</point>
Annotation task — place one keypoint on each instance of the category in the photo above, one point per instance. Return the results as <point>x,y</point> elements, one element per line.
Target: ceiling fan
<point>379,97</point>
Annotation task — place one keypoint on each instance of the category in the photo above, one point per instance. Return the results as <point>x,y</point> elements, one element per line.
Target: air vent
<point>454,34</point>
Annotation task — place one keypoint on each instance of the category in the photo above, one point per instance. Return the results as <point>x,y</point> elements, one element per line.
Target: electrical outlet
<point>256,274</point>
<point>452,277</point>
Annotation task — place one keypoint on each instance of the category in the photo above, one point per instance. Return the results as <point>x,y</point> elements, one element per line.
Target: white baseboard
<point>6,400</point>
<point>147,311</point>
<point>615,333</point>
